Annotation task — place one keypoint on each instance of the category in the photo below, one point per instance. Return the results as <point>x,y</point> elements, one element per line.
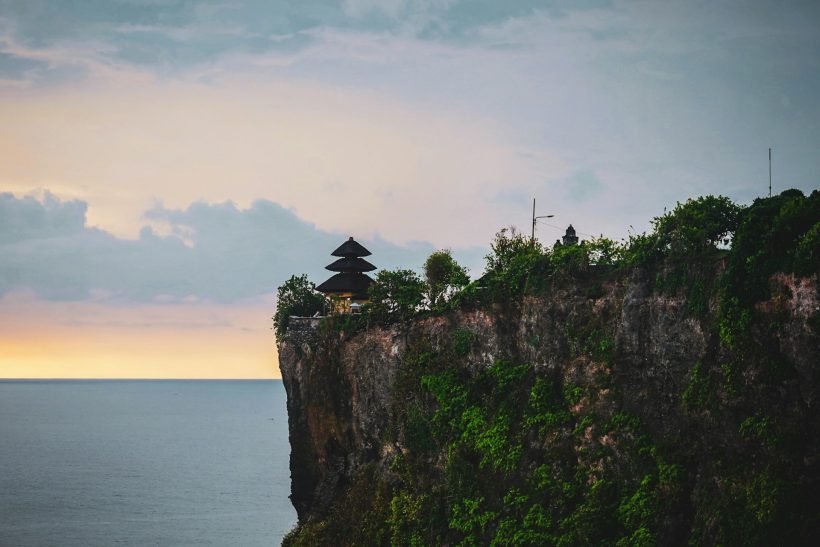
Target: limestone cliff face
<point>629,348</point>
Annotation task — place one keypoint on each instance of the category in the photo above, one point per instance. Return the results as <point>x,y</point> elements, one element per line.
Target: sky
<point>165,165</point>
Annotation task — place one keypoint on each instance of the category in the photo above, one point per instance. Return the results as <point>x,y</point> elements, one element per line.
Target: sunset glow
<point>165,167</point>
<point>90,340</point>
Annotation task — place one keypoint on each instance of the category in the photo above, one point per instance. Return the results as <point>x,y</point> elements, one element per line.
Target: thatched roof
<point>354,264</point>
<point>350,249</point>
<point>346,282</point>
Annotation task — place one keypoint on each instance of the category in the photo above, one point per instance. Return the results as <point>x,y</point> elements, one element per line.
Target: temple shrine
<point>569,237</point>
<point>348,288</point>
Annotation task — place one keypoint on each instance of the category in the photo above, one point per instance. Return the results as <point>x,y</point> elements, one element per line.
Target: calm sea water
<point>143,463</point>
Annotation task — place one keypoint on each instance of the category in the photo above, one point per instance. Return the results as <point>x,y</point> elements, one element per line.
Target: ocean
<point>88,463</point>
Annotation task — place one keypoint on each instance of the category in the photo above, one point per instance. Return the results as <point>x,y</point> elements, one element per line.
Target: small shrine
<point>569,237</point>
<point>348,288</point>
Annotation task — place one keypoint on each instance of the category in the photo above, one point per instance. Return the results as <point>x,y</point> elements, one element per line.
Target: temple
<point>348,288</point>
<point>569,237</point>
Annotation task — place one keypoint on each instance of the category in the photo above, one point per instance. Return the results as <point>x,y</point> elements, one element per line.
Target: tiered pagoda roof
<point>351,248</point>
<point>351,281</point>
<point>351,264</point>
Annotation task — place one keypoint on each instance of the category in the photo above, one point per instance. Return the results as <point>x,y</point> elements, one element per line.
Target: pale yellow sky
<point>120,146</point>
<point>40,339</point>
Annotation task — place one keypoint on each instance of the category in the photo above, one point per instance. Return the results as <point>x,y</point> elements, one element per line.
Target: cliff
<point>662,390</point>
<point>612,410</point>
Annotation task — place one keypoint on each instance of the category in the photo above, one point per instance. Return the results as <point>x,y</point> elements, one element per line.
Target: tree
<point>774,234</point>
<point>807,254</point>
<point>395,294</point>
<point>444,276</point>
<point>603,251</point>
<point>509,247</point>
<point>514,261</point>
<point>297,296</point>
<point>696,226</point>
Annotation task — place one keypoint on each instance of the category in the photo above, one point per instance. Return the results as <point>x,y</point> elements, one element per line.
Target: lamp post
<point>535,220</point>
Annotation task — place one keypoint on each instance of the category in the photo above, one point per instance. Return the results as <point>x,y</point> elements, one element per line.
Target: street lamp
<point>535,220</point>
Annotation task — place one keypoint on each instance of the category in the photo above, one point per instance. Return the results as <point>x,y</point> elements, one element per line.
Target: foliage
<point>497,487</point>
<point>342,323</point>
<point>508,247</point>
<point>603,251</point>
<point>475,294</point>
<point>691,229</point>
<point>699,390</point>
<point>406,511</point>
<point>680,251</point>
<point>296,297</point>
<point>750,385</point>
<point>462,340</point>
<point>807,253</point>
<point>569,260</point>
<point>395,295</point>
<point>774,234</point>
<point>515,263</point>
<point>575,260</point>
<point>695,226</point>
<point>444,276</point>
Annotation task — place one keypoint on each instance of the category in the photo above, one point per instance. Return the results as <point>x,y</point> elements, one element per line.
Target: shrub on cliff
<point>680,251</point>
<point>297,296</point>
<point>686,232</point>
<point>696,225</point>
<point>807,254</point>
<point>515,265</point>
<point>444,276</point>
<point>395,295</point>
<point>774,234</point>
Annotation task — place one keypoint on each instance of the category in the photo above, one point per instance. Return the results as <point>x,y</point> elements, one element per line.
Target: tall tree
<point>444,276</point>
<point>396,294</point>
<point>696,226</point>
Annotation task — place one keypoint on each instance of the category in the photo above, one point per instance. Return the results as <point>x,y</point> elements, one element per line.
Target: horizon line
<point>137,379</point>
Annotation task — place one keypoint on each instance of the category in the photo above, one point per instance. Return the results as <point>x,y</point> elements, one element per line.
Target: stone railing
<point>302,329</point>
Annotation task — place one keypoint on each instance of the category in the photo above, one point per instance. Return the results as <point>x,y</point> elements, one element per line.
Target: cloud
<point>15,68</point>
<point>213,252</point>
<point>400,170</point>
<point>389,125</point>
<point>28,218</point>
<point>172,38</point>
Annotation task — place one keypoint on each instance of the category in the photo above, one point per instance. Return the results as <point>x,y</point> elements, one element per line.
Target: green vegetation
<point>396,295</point>
<point>511,454</point>
<point>514,263</point>
<point>695,227</point>
<point>296,297</point>
<point>444,277</point>
<point>498,487</point>
<point>462,340</point>
<point>778,234</point>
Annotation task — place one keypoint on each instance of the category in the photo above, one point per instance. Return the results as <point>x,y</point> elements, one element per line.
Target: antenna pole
<point>532,236</point>
<point>770,172</point>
